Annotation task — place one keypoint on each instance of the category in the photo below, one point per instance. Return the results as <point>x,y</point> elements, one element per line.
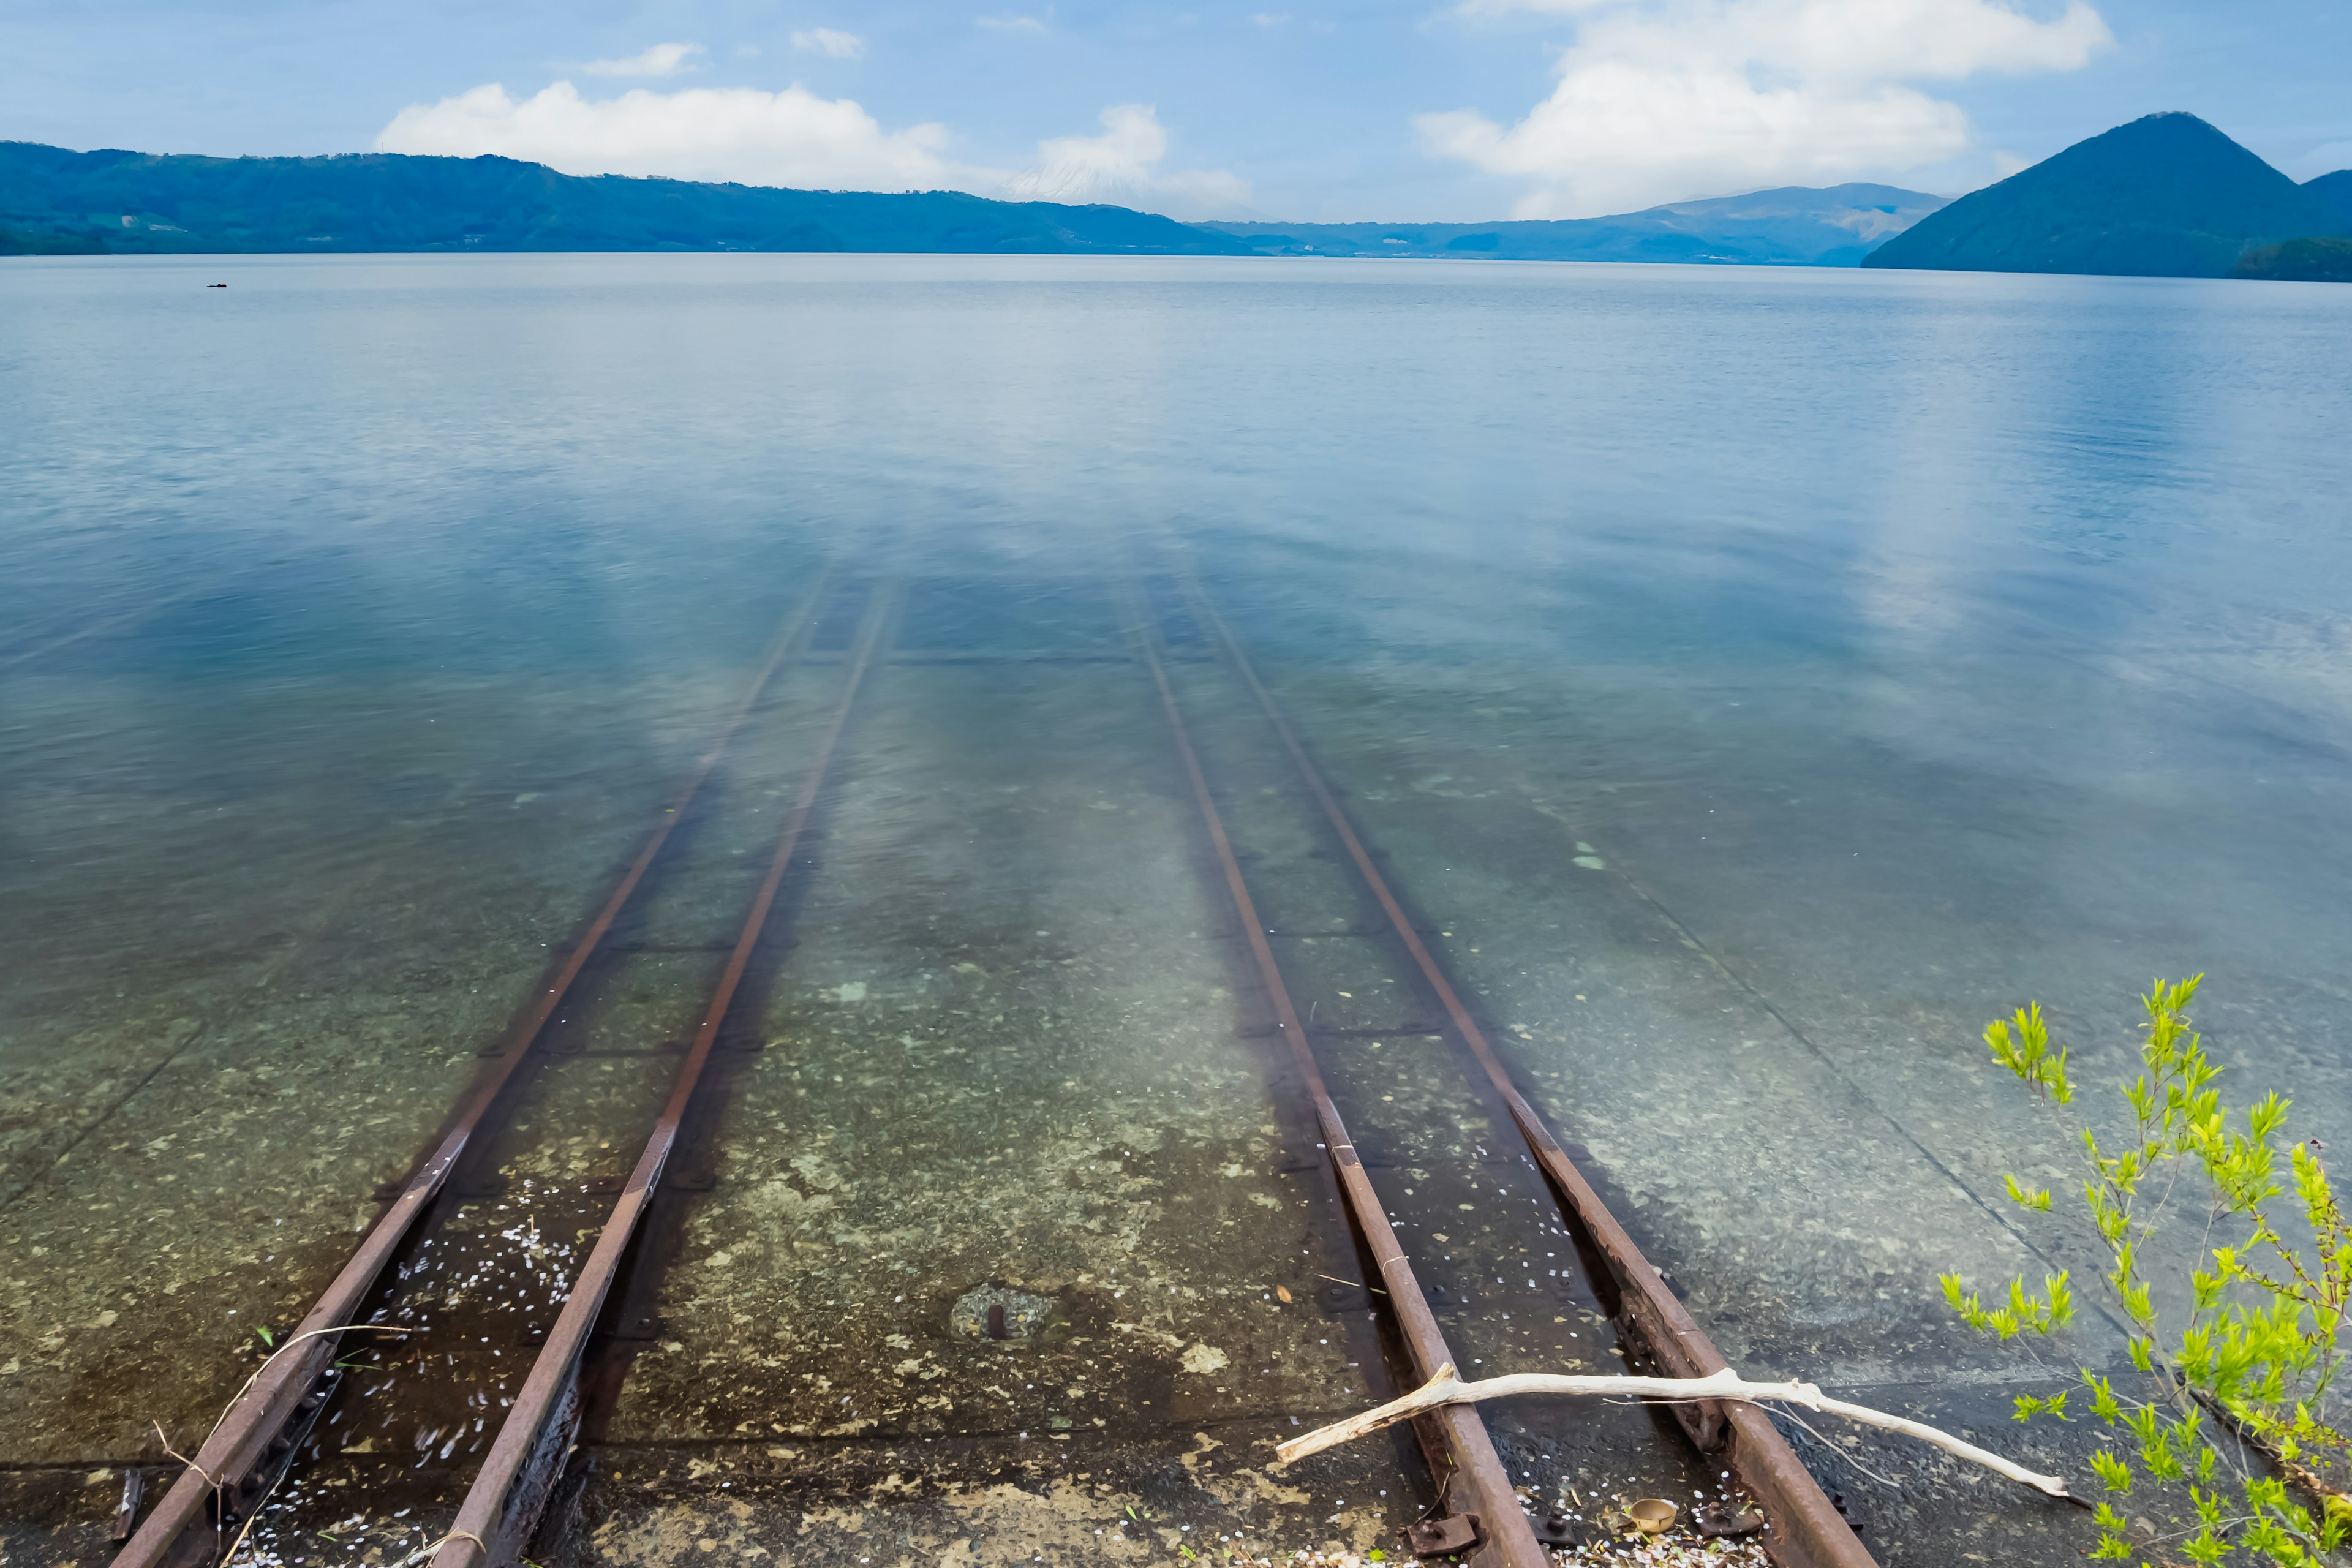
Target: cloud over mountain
<point>1660,99</point>
<point>788,138</point>
<point>795,138</point>
<point>1121,166</point>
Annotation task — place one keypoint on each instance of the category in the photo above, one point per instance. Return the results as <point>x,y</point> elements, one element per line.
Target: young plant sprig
<point>2262,1340</point>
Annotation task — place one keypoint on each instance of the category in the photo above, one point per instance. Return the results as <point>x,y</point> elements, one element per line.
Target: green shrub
<point>2261,1339</point>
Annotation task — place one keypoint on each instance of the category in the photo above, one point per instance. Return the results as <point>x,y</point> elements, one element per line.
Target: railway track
<point>499,1282</point>
<point>504,1504</point>
<point>1803,1530</point>
<point>1457,1441</point>
<point>243,1459</point>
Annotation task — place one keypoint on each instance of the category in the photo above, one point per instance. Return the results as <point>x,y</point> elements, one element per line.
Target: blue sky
<point>1291,109</point>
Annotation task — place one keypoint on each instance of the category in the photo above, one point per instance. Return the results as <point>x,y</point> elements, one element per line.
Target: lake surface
<point>1758,678</point>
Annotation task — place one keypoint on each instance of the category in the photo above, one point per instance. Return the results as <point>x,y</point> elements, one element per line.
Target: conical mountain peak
<point>2165,196</point>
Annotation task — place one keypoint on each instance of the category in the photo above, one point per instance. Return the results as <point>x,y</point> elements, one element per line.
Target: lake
<point>1754,680</point>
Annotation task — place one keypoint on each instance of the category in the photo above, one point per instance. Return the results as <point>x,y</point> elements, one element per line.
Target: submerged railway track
<point>522,1375</point>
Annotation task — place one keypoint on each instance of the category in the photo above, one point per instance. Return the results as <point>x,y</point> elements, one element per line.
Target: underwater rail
<point>229,1478</point>
<point>501,1507</point>
<point>1802,1529</point>
<point>1460,1440</point>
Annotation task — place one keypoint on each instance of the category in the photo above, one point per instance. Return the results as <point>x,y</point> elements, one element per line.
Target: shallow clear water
<point>1760,678</point>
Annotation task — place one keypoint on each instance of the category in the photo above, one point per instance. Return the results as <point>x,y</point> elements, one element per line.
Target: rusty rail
<point>257,1415</point>
<point>488,1529</point>
<point>1803,1530</point>
<point>1509,1536</point>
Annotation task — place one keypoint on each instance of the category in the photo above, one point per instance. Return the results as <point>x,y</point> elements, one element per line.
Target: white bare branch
<point>1444,1388</point>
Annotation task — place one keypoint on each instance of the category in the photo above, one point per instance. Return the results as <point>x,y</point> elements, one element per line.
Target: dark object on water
<point>1721,1519</point>
<point>216,285</point>
<point>126,1512</point>
<point>996,1320</point>
<point>1443,1537</point>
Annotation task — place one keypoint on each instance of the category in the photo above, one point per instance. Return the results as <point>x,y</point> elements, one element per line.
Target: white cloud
<point>1660,99</point>
<point>795,138</point>
<point>1270,18</point>
<point>1121,166</point>
<point>1014,23</point>
<point>827,41</point>
<point>788,138</point>
<point>662,59</point>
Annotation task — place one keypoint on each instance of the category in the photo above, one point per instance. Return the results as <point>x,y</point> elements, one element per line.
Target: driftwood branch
<point>1444,1388</point>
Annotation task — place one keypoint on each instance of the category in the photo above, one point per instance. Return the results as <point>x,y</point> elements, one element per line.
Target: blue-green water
<point>2030,590</point>
<point>1897,648</point>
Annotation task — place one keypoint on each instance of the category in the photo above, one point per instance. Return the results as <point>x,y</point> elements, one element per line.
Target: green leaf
<point>2206,1547</point>
<point>2028,1197</point>
<point>2026,1052</point>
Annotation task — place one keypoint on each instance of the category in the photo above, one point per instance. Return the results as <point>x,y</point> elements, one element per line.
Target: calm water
<point>1762,678</point>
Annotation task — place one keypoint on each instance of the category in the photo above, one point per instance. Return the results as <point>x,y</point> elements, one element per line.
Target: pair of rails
<point>213,1502</point>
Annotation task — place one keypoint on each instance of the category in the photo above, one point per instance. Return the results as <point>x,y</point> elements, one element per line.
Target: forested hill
<point>2165,196</point>
<point>54,201</point>
<point>2335,190</point>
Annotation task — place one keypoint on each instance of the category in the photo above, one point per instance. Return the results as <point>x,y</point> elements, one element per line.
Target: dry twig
<point>1444,1388</point>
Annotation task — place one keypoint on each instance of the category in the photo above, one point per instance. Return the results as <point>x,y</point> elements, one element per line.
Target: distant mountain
<point>2335,190</point>
<point>1794,226</point>
<point>57,201</point>
<point>53,201</point>
<point>2166,196</point>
